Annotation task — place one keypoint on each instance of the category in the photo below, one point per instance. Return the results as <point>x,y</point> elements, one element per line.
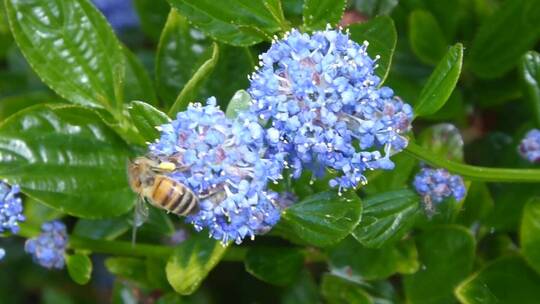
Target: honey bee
<point>147,178</point>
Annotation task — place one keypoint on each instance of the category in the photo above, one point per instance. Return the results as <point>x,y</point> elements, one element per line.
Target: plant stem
<point>475,172</point>
<point>124,248</point>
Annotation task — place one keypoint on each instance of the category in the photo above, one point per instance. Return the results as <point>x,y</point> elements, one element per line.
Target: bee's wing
<point>140,215</point>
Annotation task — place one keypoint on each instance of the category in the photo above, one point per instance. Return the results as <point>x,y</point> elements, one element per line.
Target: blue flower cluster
<point>322,101</point>
<point>530,146</point>
<point>435,185</point>
<point>49,247</point>
<point>224,162</point>
<point>10,208</point>
<point>120,13</point>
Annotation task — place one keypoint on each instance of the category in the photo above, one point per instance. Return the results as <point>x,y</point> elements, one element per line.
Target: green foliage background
<point>77,101</point>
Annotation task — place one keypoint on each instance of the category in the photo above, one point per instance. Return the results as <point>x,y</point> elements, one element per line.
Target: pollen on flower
<point>320,97</point>
<point>530,146</point>
<point>49,247</point>
<point>225,162</point>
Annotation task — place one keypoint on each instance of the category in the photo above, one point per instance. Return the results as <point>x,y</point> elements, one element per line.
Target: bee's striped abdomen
<point>173,196</point>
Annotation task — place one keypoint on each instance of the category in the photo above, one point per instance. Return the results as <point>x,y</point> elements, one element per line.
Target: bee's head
<point>138,171</point>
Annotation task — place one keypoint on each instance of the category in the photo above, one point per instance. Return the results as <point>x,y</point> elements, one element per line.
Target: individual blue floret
<point>325,109</point>
<point>225,163</point>
<point>49,247</point>
<point>530,146</point>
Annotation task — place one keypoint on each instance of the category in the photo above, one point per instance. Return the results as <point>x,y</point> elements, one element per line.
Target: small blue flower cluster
<point>435,185</point>
<point>530,146</point>
<point>10,208</point>
<point>223,161</point>
<point>120,13</point>
<point>321,97</point>
<point>49,247</point>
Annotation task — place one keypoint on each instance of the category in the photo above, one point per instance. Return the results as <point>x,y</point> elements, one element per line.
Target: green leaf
<point>232,62</point>
<point>181,51</point>
<point>152,16</point>
<point>386,218</point>
<point>530,71</point>
<point>65,157</point>
<point>426,37</point>
<point>444,140</point>
<point>138,85</point>
<point>107,229</point>
<point>146,118</point>
<point>192,261</point>
<point>239,103</point>
<point>337,290</point>
<point>72,48</point>
<point>304,290</point>
<point>79,267</point>
<point>477,206</point>
<point>6,41</point>
<point>374,8</point>
<point>441,83</point>
<point>323,219</point>
<point>387,180</point>
<point>507,280</point>
<point>122,125</point>
<point>293,10</point>
<point>447,255</point>
<point>155,272</point>
<point>279,266</point>
<point>189,91</point>
<point>354,260</point>
<point>459,18</point>
<point>503,38</point>
<point>132,269</point>
<point>509,201</point>
<point>13,104</point>
<point>228,21</point>
<point>453,110</point>
<point>407,256</point>
<point>529,233</point>
<point>381,34</point>
<point>319,13</point>
<point>36,213</point>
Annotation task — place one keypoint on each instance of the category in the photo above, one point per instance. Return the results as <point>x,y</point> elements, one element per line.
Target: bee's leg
<point>140,214</point>
<point>134,230</point>
<point>216,196</point>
